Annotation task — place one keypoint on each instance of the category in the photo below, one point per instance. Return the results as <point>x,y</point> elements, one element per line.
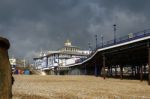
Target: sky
<point>32,25</point>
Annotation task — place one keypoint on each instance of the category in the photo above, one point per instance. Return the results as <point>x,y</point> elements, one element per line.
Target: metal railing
<point>127,38</point>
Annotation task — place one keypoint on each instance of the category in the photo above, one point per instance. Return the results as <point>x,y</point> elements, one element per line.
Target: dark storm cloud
<point>34,24</point>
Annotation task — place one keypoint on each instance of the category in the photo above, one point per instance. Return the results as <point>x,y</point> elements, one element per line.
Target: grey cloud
<point>34,24</point>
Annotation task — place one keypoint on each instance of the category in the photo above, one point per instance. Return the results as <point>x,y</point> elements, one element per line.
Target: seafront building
<point>65,56</point>
<point>17,62</point>
<point>13,62</point>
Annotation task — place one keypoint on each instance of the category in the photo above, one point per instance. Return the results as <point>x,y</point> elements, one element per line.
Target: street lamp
<point>114,33</point>
<point>89,45</point>
<point>96,41</point>
<point>90,48</point>
<point>24,62</point>
<point>102,40</point>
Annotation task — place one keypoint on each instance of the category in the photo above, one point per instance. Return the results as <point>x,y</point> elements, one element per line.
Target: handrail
<point>126,38</point>
<point>129,37</point>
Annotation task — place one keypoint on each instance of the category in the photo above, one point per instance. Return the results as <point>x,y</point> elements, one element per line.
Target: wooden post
<point>5,70</point>
<point>104,72</point>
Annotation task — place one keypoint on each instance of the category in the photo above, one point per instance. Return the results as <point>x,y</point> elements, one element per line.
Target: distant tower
<point>68,43</point>
<point>41,53</point>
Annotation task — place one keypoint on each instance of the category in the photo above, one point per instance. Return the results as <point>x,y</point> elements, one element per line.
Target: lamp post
<point>114,26</point>
<point>24,62</point>
<point>96,41</point>
<point>102,40</point>
<point>89,45</point>
<point>90,48</point>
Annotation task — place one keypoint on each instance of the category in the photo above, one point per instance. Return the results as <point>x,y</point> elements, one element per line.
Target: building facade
<point>13,62</point>
<point>63,57</point>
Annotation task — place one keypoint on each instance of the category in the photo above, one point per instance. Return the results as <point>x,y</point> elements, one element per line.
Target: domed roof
<point>68,43</point>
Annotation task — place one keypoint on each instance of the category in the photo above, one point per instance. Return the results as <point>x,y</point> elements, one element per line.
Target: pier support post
<point>132,71</point>
<point>111,70</point>
<point>56,70</point>
<point>121,72</point>
<point>135,71</point>
<point>95,72</point>
<point>108,71</point>
<point>85,71</point>
<point>138,71</point>
<point>115,70</point>
<point>104,72</point>
<point>141,73</point>
<point>149,65</point>
<point>144,70</point>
